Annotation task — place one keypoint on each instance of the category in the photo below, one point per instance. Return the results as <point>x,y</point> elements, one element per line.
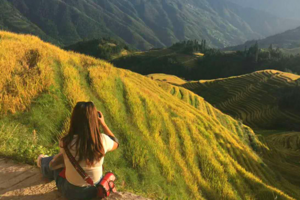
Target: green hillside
<point>173,143</point>
<point>259,99</point>
<point>11,19</point>
<point>170,60</point>
<point>143,24</point>
<point>193,60</point>
<point>104,48</point>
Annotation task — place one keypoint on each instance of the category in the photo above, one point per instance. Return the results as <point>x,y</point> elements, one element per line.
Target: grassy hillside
<point>173,143</point>
<point>146,24</point>
<point>254,98</point>
<point>283,146</point>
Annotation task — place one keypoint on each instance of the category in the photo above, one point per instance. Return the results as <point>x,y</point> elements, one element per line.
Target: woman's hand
<point>101,119</point>
<point>57,162</point>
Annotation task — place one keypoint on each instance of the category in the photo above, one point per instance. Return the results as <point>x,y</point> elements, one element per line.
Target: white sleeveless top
<point>94,172</point>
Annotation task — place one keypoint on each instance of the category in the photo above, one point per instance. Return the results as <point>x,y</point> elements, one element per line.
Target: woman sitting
<point>88,146</point>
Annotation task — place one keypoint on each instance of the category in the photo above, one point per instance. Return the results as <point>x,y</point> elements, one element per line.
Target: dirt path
<point>24,182</point>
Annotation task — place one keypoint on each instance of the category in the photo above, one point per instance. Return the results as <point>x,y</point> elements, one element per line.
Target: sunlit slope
<point>169,148</point>
<point>252,98</point>
<point>167,78</point>
<point>282,152</point>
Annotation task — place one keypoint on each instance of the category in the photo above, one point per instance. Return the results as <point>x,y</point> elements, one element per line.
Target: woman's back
<point>95,171</point>
<point>88,146</point>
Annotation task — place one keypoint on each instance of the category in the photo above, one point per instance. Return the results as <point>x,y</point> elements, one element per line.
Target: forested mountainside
<point>286,9</point>
<point>287,40</point>
<point>141,23</point>
<point>192,60</point>
<point>173,143</point>
<point>104,48</point>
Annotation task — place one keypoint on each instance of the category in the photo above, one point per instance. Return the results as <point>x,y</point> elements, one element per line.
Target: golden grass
<point>199,54</point>
<point>173,143</point>
<point>167,78</point>
<point>24,73</point>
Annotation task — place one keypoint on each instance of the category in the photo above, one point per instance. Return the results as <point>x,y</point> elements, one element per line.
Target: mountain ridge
<point>145,24</point>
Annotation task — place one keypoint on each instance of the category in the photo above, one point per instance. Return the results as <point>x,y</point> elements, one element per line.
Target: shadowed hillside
<point>285,155</point>
<point>257,98</point>
<point>194,60</point>
<point>179,59</point>
<point>141,23</point>
<point>105,48</point>
<point>173,143</point>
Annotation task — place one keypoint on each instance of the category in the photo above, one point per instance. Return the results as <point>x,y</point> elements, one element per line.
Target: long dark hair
<point>84,124</point>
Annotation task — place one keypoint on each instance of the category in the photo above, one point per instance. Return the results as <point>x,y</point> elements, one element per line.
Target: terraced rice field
<point>282,152</point>
<point>285,156</point>
<point>253,98</point>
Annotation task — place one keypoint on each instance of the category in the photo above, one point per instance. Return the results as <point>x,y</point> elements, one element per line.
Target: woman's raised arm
<point>107,131</point>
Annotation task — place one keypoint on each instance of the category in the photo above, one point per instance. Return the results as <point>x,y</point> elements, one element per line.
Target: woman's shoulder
<point>107,142</point>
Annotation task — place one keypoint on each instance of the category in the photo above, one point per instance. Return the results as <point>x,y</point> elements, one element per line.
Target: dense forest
<point>214,63</point>
<point>105,48</point>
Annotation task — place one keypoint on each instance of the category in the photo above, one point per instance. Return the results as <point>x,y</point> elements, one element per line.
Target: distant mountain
<point>143,24</point>
<point>287,40</point>
<point>285,9</point>
<point>11,19</point>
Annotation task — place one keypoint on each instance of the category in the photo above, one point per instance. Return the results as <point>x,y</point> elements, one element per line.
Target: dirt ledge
<point>24,182</point>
